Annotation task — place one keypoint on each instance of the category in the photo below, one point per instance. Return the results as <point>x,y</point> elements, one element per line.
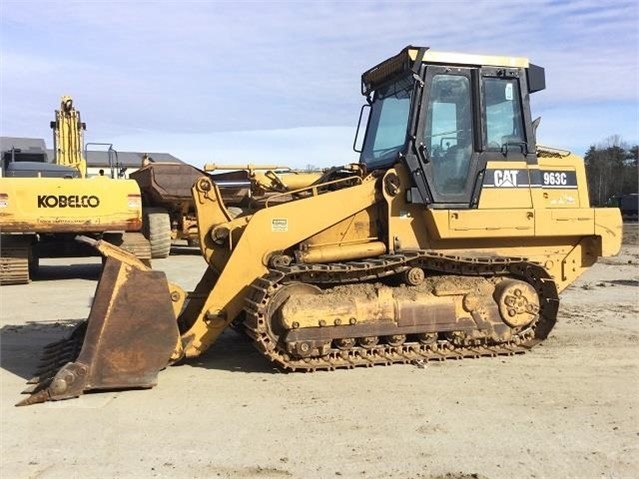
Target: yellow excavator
<point>44,205</point>
<point>451,238</point>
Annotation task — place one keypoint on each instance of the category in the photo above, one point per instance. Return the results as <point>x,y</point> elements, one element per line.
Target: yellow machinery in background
<point>169,212</point>
<point>451,238</point>
<point>68,139</point>
<point>44,205</point>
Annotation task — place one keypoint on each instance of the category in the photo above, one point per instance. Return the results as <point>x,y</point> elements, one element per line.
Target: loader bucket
<point>128,338</point>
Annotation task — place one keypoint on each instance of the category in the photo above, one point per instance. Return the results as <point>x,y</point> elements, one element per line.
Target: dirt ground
<point>569,409</point>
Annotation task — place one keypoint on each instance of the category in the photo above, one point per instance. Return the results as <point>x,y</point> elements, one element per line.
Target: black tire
<point>157,229</point>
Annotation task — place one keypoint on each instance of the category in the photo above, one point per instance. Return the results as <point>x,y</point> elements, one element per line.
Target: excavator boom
<point>68,137</point>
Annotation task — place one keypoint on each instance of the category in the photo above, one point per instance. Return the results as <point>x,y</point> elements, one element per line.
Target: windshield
<point>386,133</point>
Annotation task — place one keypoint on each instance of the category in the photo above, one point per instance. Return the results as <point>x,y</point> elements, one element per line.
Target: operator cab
<point>445,115</point>
<point>29,161</point>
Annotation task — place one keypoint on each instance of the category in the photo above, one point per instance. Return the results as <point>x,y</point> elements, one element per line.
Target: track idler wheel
<point>518,303</point>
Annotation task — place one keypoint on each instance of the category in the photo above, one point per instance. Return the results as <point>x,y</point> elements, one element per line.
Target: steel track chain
<point>263,289</point>
<point>14,263</point>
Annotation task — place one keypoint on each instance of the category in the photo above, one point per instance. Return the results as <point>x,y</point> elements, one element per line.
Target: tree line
<point>612,170</point>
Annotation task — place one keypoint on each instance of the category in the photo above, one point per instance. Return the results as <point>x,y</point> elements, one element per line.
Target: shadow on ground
<point>179,250</point>
<point>66,271</point>
<point>91,271</point>
<point>624,282</point>
<point>233,351</point>
<point>21,348</point>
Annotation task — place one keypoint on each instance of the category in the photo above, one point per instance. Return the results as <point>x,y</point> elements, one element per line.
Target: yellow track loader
<point>451,238</point>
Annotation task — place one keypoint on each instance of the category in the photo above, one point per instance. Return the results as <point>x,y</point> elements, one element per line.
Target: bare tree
<point>611,168</point>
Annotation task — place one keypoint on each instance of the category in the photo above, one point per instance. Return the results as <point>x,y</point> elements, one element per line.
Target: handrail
<point>111,152</point>
<point>312,188</point>
<point>208,167</point>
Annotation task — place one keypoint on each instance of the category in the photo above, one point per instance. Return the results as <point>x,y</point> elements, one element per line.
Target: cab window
<point>449,133</point>
<point>503,116</point>
<point>388,122</point>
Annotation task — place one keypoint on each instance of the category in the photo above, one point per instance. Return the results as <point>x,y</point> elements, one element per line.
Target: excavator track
<point>14,262</point>
<point>439,348</point>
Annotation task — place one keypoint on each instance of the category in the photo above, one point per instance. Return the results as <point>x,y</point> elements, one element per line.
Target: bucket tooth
<point>30,389</point>
<point>129,337</point>
<point>36,398</point>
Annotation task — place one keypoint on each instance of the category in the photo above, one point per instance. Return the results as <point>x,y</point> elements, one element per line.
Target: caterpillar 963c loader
<point>451,238</point>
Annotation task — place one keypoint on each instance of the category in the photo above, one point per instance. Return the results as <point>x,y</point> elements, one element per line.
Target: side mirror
<point>535,125</point>
<point>358,146</point>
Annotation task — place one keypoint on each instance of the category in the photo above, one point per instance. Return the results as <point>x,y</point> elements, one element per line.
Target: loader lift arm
<point>269,230</point>
<point>131,297</point>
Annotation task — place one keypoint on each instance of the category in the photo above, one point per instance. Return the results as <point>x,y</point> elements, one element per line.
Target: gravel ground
<point>567,409</point>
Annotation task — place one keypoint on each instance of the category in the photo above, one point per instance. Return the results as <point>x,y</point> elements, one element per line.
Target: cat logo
<point>505,178</point>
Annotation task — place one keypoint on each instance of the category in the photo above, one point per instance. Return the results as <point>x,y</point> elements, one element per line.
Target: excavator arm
<point>68,137</point>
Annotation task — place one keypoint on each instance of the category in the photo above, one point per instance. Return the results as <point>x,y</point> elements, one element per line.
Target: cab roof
<point>411,58</point>
<point>452,58</point>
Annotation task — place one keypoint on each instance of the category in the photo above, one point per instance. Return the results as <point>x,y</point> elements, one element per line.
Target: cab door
<point>471,116</point>
<point>449,135</point>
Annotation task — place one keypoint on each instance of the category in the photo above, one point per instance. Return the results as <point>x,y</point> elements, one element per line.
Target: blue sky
<point>278,82</point>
